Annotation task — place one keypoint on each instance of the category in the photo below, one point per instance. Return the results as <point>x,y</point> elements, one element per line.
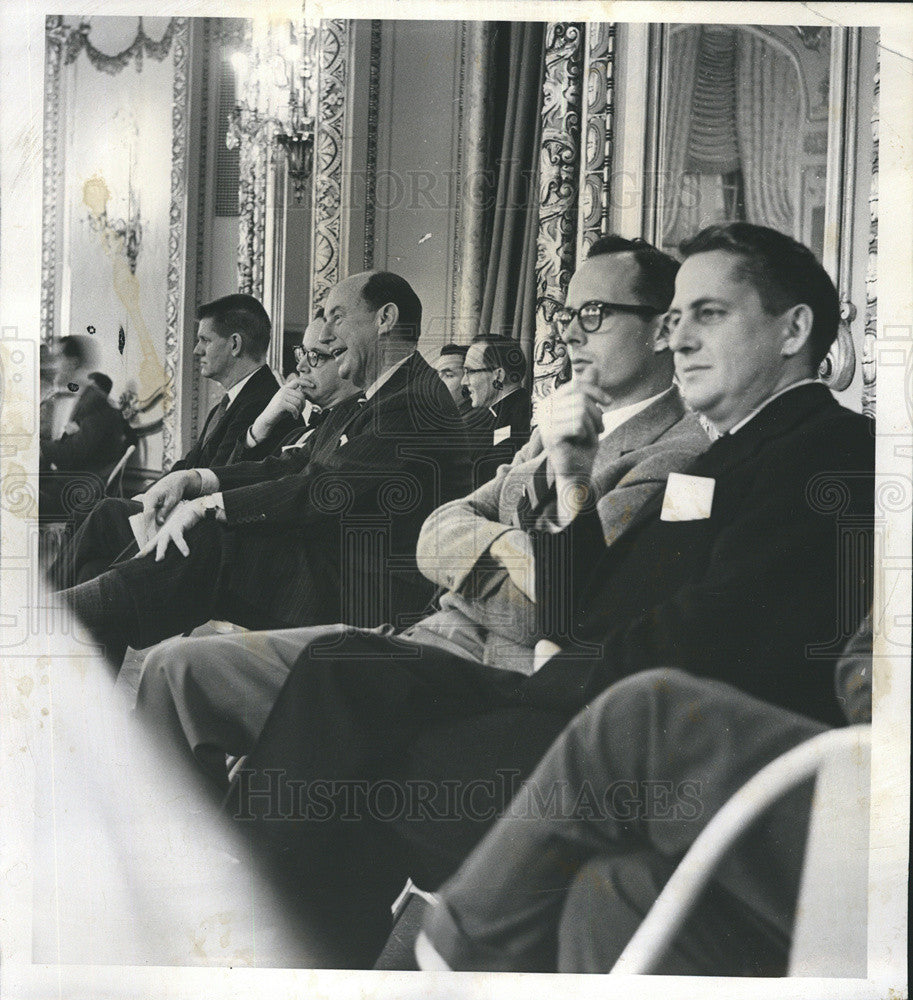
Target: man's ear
<point>386,317</point>
<point>659,333</point>
<point>237,345</point>
<point>797,328</point>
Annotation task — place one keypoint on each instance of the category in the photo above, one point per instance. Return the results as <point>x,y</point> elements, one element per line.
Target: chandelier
<point>276,96</point>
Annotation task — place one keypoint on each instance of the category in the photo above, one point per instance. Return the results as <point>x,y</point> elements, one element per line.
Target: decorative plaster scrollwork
<point>328,158</point>
<point>371,158</point>
<point>76,40</point>
<point>559,170</point>
<point>838,367</point>
<point>871,275</point>
<point>597,135</point>
<point>177,226</point>
<point>55,37</point>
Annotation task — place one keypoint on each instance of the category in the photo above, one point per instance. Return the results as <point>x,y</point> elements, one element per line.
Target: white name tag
<point>687,498</point>
<point>501,434</point>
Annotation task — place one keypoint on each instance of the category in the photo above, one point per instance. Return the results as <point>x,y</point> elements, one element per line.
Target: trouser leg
<point>612,894</point>
<point>645,766</point>
<point>139,602</point>
<point>311,796</point>
<point>101,538</point>
<point>208,696</point>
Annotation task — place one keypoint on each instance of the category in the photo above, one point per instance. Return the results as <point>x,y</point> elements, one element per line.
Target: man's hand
<point>570,425</point>
<point>162,497</point>
<point>183,517</point>
<point>514,551</point>
<point>288,399</point>
<point>71,428</point>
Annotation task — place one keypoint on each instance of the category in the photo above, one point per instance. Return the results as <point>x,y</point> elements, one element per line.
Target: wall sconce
<point>273,77</point>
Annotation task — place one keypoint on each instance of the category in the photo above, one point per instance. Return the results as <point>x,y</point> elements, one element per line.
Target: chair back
<point>116,474</point>
<point>830,926</point>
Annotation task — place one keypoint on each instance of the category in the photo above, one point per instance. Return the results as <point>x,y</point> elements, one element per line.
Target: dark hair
<point>503,352</point>
<point>102,381</point>
<point>782,271</point>
<point>655,285</point>
<point>78,348</point>
<point>385,286</point>
<point>241,314</point>
<point>458,350</point>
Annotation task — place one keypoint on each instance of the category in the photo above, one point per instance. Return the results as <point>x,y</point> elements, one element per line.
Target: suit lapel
<point>397,382</point>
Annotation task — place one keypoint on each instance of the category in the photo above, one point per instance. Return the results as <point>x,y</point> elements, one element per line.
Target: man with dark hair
<point>493,374</point>
<point>233,336</point>
<point>449,366</point>
<point>273,543</point>
<point>480,549</point>
<point>735,570</point>
<point>91,433</point>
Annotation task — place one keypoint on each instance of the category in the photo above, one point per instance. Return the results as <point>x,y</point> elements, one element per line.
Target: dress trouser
<point>330,790</point>
<point>639,772</point>
<point>139,602</point>
<point>103,536</point>
<point>209,696</point>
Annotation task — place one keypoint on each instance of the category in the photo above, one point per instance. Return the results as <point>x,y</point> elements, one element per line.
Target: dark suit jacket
<point>218,447</point>
<point>328,531</point>
<point>763,594</point>
<point>98,443</point>
<point>498,434</point>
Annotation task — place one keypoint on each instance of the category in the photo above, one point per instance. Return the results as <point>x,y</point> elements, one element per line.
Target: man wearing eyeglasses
<point>324,532</point>
<point>751,566</point>
<point>302,403</point>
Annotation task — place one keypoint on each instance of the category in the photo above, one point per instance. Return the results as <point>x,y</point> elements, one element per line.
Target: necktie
<point>215,417</point>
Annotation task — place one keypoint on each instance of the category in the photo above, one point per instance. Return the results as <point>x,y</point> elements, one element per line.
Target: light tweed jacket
<point>483,615</point>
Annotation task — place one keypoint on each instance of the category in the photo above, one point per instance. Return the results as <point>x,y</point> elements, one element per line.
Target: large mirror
<point>760,123</point>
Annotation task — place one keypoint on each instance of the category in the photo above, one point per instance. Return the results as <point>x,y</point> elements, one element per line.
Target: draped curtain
<point>735,107</point>
<point>509,291</point>
<point>769,115</point>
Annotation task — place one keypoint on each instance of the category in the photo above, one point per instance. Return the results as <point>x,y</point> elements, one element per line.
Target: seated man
<point>449,366</point>
<point>493,373</point>
<point>233,337</point>
<point>564,890</point>
<point>734,571</point>
<point>304,401</point>
<point>317,533</point>
<point>84,435</point>
<point>621,409</point>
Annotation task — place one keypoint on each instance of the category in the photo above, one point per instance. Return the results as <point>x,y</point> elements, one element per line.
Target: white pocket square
<point>687,498</point>
<point>501,434</point>
<point>343,440</point>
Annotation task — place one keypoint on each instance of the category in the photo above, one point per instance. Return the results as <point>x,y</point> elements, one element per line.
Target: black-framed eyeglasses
<point>314,358</point>
<point>476,371</point>
<point>592,314</point>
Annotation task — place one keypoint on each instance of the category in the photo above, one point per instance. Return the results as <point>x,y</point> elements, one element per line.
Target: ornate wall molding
<point>76,40</point>
<point>371,156</point>
<point>52,195</point>
<point>871,275</point>
<point>559,173</point>
<point>174,306</point>
<point>598,135</point>
<point>333,48</point>
<point>206,32</point>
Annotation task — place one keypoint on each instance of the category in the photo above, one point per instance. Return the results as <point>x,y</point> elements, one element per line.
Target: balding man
<point>318,534</point>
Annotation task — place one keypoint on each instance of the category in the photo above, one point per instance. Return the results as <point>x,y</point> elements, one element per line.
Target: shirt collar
<point>492,409</point>
<point>770,399</point>
<point>385,377</point>
<point>232,393</point>
<point>613,419</point>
